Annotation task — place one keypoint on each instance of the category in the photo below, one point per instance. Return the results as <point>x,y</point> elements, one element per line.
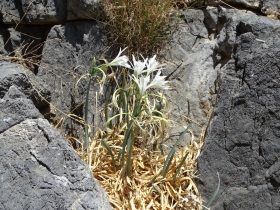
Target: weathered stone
<point>14,74</point>
<point>243,140</point>
<point>27,41</point>
<point>211,19</point>
<point>38,169</point>
<point>15,108</point>
<point>270,7</point>
<point>33,12</point>
<point>266,7</point>
<point>67,55</point>
<point>5,48</point>
<point>85,9</point>
<point>49,12</point>
<point>191,72</point>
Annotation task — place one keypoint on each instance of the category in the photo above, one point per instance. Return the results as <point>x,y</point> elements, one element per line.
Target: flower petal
<point>142,83</point>
<point>159,82</point>
<point>138,66</point>
<point>120,60</point>
<point>152,65</point>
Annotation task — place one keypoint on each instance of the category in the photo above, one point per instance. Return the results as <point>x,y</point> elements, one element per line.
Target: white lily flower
<point>142,83</point>
<point>152,65</point>
<point>138,66</point>
<point>159,82</point>
<point>120,60</point>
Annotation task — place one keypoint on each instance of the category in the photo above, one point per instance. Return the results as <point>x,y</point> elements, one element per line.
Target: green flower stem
<point>126,139</point>
<point>86,143</point>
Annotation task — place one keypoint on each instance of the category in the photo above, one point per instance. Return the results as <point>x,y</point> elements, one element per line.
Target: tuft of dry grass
<point>137,192</point>
<point>140,25</point>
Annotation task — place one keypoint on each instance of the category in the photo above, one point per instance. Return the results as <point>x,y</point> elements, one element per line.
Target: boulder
<point>33,12</point>
<point>267,7</point>
<point>190,70</point>
<point>49,12</point>
<point>85,9</point>
<point>67,56</point>
<point>15,108</point>
<point>38,169</point>
<point>243,143</point>
<point>16,75</point>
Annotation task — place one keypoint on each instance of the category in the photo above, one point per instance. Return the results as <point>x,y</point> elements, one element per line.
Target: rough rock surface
<point>12,11</point>
<point>243,141</point>
<point>84,9</point>
<point>38,170</point>
<point>267,7</point>
<point>15,108</point>
<point>67,55</point>
<point>4,36</point>
<point>14,74</point>
<point>48,12</point>
<point>190,70</point>
<point>218,56</point>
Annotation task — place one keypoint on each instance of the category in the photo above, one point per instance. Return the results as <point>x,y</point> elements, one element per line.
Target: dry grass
<point>137,192</point>
<point>140,25</point>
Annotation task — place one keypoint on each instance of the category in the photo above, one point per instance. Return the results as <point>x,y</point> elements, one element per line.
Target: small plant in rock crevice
<point>136,127</point>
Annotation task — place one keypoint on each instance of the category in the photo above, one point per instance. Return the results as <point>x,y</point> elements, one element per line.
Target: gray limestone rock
<point>39,11</point>
<point>27,41</point>
<point>266,7</point>
<point>15,108</point>
<point>67,55</point>
<point>16,75</point>
<point>243,143</point>
<point>49,12</point>
<point>38,170</point>
<point>5,48</point>
<point>85,9</point>
<point>190,70</point>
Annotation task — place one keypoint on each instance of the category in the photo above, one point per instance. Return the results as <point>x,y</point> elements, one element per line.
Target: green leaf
<point>156,188</point>
<point>161,149</point>
<point>179,167</point>
<point>86,116</point>
<point>213,196</point>
<point>106,114</point>
<point>129,151</point>
<point>126,138</point>
<point>104,143</point>
<point>172,152</point>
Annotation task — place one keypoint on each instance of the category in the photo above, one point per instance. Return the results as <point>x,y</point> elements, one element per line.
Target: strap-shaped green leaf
<point>179,167</point>
<point>104,143</point>
<point>172,152</point>
<point>86,117</point>
<point>213,196</point>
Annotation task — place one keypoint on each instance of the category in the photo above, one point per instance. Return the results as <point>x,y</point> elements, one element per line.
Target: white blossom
<point>159,82</point>
<point>120,60</point>
<point>152,65</point>
<point>138,66</point>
